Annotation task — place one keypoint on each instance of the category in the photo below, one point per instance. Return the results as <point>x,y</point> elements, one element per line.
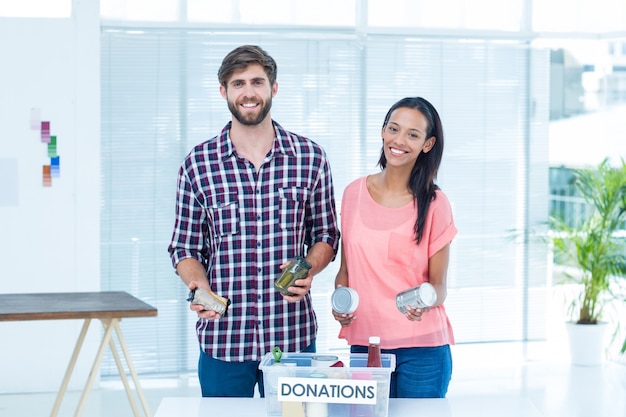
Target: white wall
<point>49,236</point>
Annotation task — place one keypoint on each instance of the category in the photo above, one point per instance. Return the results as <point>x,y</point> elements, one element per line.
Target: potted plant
<point>593,247</point>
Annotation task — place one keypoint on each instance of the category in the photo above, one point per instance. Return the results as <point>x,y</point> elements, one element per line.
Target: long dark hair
<point>424,172</point>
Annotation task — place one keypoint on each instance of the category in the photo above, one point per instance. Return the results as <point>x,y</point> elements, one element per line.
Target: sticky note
<point>47,178</point>
<point>45,132</point>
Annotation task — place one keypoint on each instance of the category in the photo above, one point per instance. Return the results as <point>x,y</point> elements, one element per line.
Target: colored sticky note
<point>52,147</point>
<point>55,167</point>
<point>47,178</point>
<point>35,118</point>
<point>45,132</point>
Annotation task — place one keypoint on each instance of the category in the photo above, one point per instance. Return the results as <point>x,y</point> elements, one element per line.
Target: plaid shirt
<point>242,225</point>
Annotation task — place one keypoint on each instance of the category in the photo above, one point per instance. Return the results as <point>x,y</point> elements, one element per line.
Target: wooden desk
<point>474,406</point>
<point>108,307</point>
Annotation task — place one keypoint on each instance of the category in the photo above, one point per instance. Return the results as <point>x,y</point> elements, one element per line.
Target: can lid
<point>344,300</point>
<point>375,340</point>
<point>324,360</point>
<point>428,294</point>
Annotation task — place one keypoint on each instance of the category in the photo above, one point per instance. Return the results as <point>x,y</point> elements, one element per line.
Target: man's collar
<point>282,142</point>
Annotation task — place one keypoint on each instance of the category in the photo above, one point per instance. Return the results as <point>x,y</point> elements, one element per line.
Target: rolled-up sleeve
<point>189,235</point>
<point>323,219</point>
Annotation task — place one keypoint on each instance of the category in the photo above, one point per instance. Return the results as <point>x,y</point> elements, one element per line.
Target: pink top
<point>383,260</point>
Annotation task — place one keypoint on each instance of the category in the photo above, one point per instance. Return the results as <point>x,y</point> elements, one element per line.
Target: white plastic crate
<point>299,388</point>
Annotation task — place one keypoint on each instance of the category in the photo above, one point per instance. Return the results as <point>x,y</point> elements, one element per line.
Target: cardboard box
<point>326,385</point>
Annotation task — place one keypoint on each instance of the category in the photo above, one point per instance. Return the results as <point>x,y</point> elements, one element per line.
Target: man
<point>248,201</point>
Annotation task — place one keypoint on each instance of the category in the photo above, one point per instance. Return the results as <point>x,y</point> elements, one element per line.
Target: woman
<point>397,227</point>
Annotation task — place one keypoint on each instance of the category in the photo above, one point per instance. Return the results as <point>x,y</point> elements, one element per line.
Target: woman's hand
<point>344,319</point>
<point>415,314</point>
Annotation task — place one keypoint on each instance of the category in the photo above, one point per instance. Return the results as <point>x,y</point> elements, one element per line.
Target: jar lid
<point>345,300</point>
<point>303,262</point>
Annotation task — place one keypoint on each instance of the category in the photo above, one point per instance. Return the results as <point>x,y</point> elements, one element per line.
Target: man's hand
<point>206,303</point>
<point>300,289</point>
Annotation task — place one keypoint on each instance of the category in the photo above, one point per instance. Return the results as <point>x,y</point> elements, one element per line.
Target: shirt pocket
<point>293,202</point>
<point>225,212</point>
<point>400,249</point>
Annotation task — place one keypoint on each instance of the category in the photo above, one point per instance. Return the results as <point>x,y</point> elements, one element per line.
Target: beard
<point>251,119</point>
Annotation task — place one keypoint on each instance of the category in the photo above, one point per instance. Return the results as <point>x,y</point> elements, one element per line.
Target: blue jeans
<point>232,379</point>
<point>421,372</point>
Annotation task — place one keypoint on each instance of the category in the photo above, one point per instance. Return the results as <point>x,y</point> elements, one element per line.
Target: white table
<point>477,406</point>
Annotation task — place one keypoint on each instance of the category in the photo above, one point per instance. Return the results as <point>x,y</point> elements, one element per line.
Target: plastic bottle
<point>373,353</point>
<point>373,361</point>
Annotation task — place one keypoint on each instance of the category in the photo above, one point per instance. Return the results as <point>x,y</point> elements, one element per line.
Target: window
<point>36,8</point>
<point>590,16</point>
<point>277,12</point>
<point>160,98</point>
<point>481,14</point>
<point>141,10</point>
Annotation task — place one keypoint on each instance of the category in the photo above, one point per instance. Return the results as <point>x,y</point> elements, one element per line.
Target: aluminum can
<point>324,361</point>
<point>344,300</point>
<point>422,296</point>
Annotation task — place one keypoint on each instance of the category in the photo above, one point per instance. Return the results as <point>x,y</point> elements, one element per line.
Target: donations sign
<point>343,391</point>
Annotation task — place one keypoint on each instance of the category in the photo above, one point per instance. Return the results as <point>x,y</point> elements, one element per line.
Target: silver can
<point>422,296</point>
<point>323,361</point>
<point>344,300</point>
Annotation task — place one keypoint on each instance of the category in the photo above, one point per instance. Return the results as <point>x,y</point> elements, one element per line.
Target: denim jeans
<point>232,379</point>
<point>421,372</point>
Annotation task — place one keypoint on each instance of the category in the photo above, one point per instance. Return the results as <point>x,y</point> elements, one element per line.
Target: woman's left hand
<point>344,319</point>
<point>415,314</point>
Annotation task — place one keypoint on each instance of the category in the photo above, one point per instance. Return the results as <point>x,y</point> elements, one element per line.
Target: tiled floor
<point>556,388</point>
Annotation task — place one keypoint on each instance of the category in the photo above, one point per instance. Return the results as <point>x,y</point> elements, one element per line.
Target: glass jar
<point>297,269</point>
